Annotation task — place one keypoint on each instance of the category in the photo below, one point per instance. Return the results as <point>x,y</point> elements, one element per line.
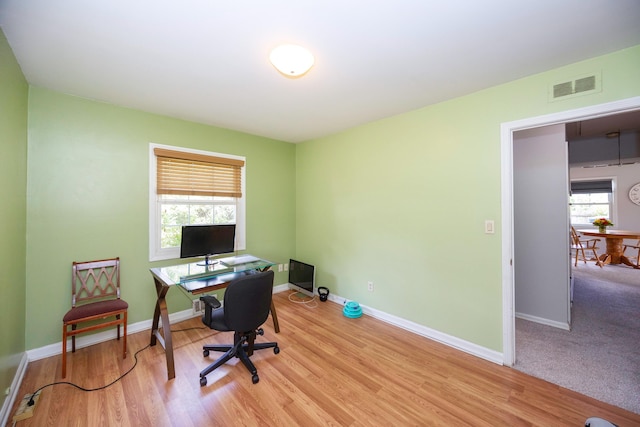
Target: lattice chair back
<point>95,280</point>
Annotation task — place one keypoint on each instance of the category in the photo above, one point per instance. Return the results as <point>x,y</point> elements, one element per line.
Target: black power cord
<point>32,402</point>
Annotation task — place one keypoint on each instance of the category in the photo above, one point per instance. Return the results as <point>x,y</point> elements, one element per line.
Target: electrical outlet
<point>280,268</point>
<point>370,286</point>
<point>25,411</point>
<point>7,391</point>
<point>198,306</point>
<point>286,267</point>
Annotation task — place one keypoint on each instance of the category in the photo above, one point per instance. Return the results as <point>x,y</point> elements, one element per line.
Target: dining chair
<point>580,245</point>
<point>635,249</point>
<point>95,298</point>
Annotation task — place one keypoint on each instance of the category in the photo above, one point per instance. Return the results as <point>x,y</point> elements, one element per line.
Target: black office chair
<point>247,302</point>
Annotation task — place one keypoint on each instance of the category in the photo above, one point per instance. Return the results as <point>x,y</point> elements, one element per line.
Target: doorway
<point>507,133</point>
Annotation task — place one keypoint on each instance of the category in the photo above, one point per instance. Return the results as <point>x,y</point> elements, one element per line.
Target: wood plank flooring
<point>331,370</point>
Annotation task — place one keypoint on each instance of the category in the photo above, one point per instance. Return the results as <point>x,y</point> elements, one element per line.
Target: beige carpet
<point>600,356</point>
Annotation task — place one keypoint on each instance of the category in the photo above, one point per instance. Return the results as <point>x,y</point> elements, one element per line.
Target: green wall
<point>13,213</point>
<point>402,201</point>
<point>88,198</point>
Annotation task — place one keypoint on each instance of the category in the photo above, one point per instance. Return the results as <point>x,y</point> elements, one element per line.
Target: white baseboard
<point>543,321</point>
<point>87,340</point>
<point>449,340</point>
<point>280,288</point>
<point>13,390</point>
<point>145,325</point>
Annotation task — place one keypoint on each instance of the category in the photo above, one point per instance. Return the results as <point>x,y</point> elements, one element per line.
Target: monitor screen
<point>207,240</point>
<point>302,277</point>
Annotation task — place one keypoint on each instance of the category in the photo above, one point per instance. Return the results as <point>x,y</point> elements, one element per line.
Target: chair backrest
<point>633,246</point>
<point>95,280</point>
<point>247,301</point>
<point>574,237</point>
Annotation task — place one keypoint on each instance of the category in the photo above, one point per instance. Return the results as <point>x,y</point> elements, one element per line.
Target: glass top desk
<point>197,279</point>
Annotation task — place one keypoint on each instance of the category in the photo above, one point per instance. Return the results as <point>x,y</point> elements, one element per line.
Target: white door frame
<point>506,137</point>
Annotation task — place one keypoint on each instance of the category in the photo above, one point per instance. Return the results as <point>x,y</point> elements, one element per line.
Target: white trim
<point>13,390</point>
<point>157,254</point>
<point>451,341</point>
<point>407,325</point>
<point>508,295</point>
<point>543,321</point>
<point>88,340</point>
<point>281,288</point>
<point>506,145</point>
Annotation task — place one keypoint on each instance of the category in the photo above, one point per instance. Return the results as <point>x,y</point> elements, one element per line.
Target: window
<point>590,200</point>
<point>192,187</point>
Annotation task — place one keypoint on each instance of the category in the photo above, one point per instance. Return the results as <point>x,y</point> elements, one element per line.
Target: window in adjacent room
<point>590,200</point>
<point>189,187</point>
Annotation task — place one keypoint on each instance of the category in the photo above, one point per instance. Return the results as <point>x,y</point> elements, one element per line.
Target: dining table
<point>614,240</point>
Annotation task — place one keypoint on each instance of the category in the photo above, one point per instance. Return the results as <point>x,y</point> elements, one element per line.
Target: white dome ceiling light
<point>291,60</point>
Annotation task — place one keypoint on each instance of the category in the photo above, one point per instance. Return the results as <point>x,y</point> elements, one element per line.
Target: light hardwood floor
<point>331,370</point>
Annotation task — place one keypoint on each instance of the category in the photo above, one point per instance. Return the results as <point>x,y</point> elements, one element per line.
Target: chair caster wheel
<point>203,381</point>
<point>205,353</point>
<point>255,379</point>
<point>276,350</point>
<point>260,331</point>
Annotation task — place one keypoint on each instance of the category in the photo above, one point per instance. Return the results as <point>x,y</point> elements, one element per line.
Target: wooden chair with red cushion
<point>95,298</point>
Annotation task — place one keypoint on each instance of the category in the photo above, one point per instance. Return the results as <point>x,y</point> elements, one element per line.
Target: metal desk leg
<point>165,338</point>
<point>274,316</point>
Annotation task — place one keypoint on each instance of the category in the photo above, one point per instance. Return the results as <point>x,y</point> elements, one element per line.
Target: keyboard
<point>239,260</point>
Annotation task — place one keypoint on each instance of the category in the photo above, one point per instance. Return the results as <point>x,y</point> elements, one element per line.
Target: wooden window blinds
<point>197,175</point>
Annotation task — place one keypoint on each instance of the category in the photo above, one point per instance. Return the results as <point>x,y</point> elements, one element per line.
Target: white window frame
<point>613,208</point>
<point>156,252</point>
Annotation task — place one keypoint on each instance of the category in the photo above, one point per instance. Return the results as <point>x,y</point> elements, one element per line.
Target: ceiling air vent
<point>584,84</point>
<point>562,89</point>
<point>578,86</point>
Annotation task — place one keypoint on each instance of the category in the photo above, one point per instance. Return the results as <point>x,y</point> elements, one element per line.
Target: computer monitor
<point>207,240</point>
<point>302,277</point>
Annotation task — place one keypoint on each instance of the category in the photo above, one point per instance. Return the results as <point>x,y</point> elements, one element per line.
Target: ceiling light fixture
<point>291,60</point>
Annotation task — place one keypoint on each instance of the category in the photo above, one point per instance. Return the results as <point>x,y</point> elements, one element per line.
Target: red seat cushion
<point>94,308</point>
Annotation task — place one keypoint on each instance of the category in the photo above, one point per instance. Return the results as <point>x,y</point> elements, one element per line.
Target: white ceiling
<point>207,60</point>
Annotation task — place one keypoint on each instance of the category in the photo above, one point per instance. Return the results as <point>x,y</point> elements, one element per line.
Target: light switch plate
<point>489,226</point>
